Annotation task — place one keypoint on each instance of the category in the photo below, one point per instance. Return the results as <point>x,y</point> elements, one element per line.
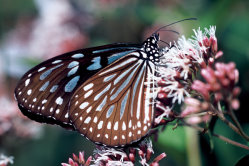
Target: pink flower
<point>78,161</point>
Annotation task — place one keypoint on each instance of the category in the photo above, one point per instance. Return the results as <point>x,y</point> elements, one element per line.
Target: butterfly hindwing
<point>44,92</point>
<point>114,106</point>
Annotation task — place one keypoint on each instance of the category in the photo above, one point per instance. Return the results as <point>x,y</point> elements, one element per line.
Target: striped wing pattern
<point>105,92</point>
<point>115,105</point>
<point>44,92</point>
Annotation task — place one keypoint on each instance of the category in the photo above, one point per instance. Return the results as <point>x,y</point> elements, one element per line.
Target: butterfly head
<point>151,48</point>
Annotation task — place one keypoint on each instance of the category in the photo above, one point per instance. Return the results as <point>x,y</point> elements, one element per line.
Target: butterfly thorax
<point>151,48</point>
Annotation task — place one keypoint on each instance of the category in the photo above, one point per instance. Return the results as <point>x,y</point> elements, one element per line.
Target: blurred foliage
<point>129,21</point>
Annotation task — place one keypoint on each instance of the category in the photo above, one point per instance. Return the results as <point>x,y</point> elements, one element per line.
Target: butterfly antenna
<point>164,42</point>
<point>170,30</point>
<point>175,23</point>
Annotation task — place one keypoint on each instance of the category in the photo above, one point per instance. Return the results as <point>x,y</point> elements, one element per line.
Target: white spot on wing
<point>73,71</point>
<point>29,91</point>
<point>116,126</point>
<point>72,64</point>
<point>79,55</point>
<point>130,124</point>
<point>88,94</point>
<point>138,124</point>
<point>123,126</point>
<point>96,64</point>
<point>53,89</point>
<point>95,119</point>
<point>87,120</point>
<point>84,105</point>
<point>42,68</point>
<point>57,111</point>
<point>89,109</point>
<point>27,82</point>
<point>44,86</point>
<point>44,101</point>
<point>59,100</point>
<point>72,84</point>
<point>88,86</point>
<point>109,125</point>
<point>56,61</point>
<point>100,124</point>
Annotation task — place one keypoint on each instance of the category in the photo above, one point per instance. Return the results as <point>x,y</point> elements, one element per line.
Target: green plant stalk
<point>193,150</point>
<point>231,141</point>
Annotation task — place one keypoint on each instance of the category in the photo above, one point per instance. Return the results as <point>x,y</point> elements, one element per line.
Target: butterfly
<point>102,92</point>
<point>105,92</point>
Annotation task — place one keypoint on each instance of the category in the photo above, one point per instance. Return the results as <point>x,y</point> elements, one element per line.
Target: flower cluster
<point>105,156</point>
<point>214,94</point>
<point>179,67</point>
<point>220,83</point>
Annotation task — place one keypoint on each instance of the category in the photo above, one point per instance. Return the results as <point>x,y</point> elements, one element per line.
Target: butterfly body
<point>102,92</point>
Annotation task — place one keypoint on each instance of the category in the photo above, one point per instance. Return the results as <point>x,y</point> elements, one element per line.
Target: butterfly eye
<point>105,92</point>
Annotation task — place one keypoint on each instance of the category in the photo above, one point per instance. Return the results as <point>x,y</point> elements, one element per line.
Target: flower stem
<point>234,118</point>
<point>236,128</point>
<point>231,141</point>
<point>219,136</point>
<point>193,151</point>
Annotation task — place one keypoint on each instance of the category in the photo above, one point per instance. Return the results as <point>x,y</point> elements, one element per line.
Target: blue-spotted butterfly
<point>104,93</point>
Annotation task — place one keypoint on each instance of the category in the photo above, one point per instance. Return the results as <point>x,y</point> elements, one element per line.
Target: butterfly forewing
<point>114,107</point>
<point>44,92</point>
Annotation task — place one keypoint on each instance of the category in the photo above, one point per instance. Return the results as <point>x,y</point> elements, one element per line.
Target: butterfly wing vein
<point>113,111</point>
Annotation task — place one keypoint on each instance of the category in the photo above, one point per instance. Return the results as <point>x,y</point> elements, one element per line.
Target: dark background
<point>32,31</point>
